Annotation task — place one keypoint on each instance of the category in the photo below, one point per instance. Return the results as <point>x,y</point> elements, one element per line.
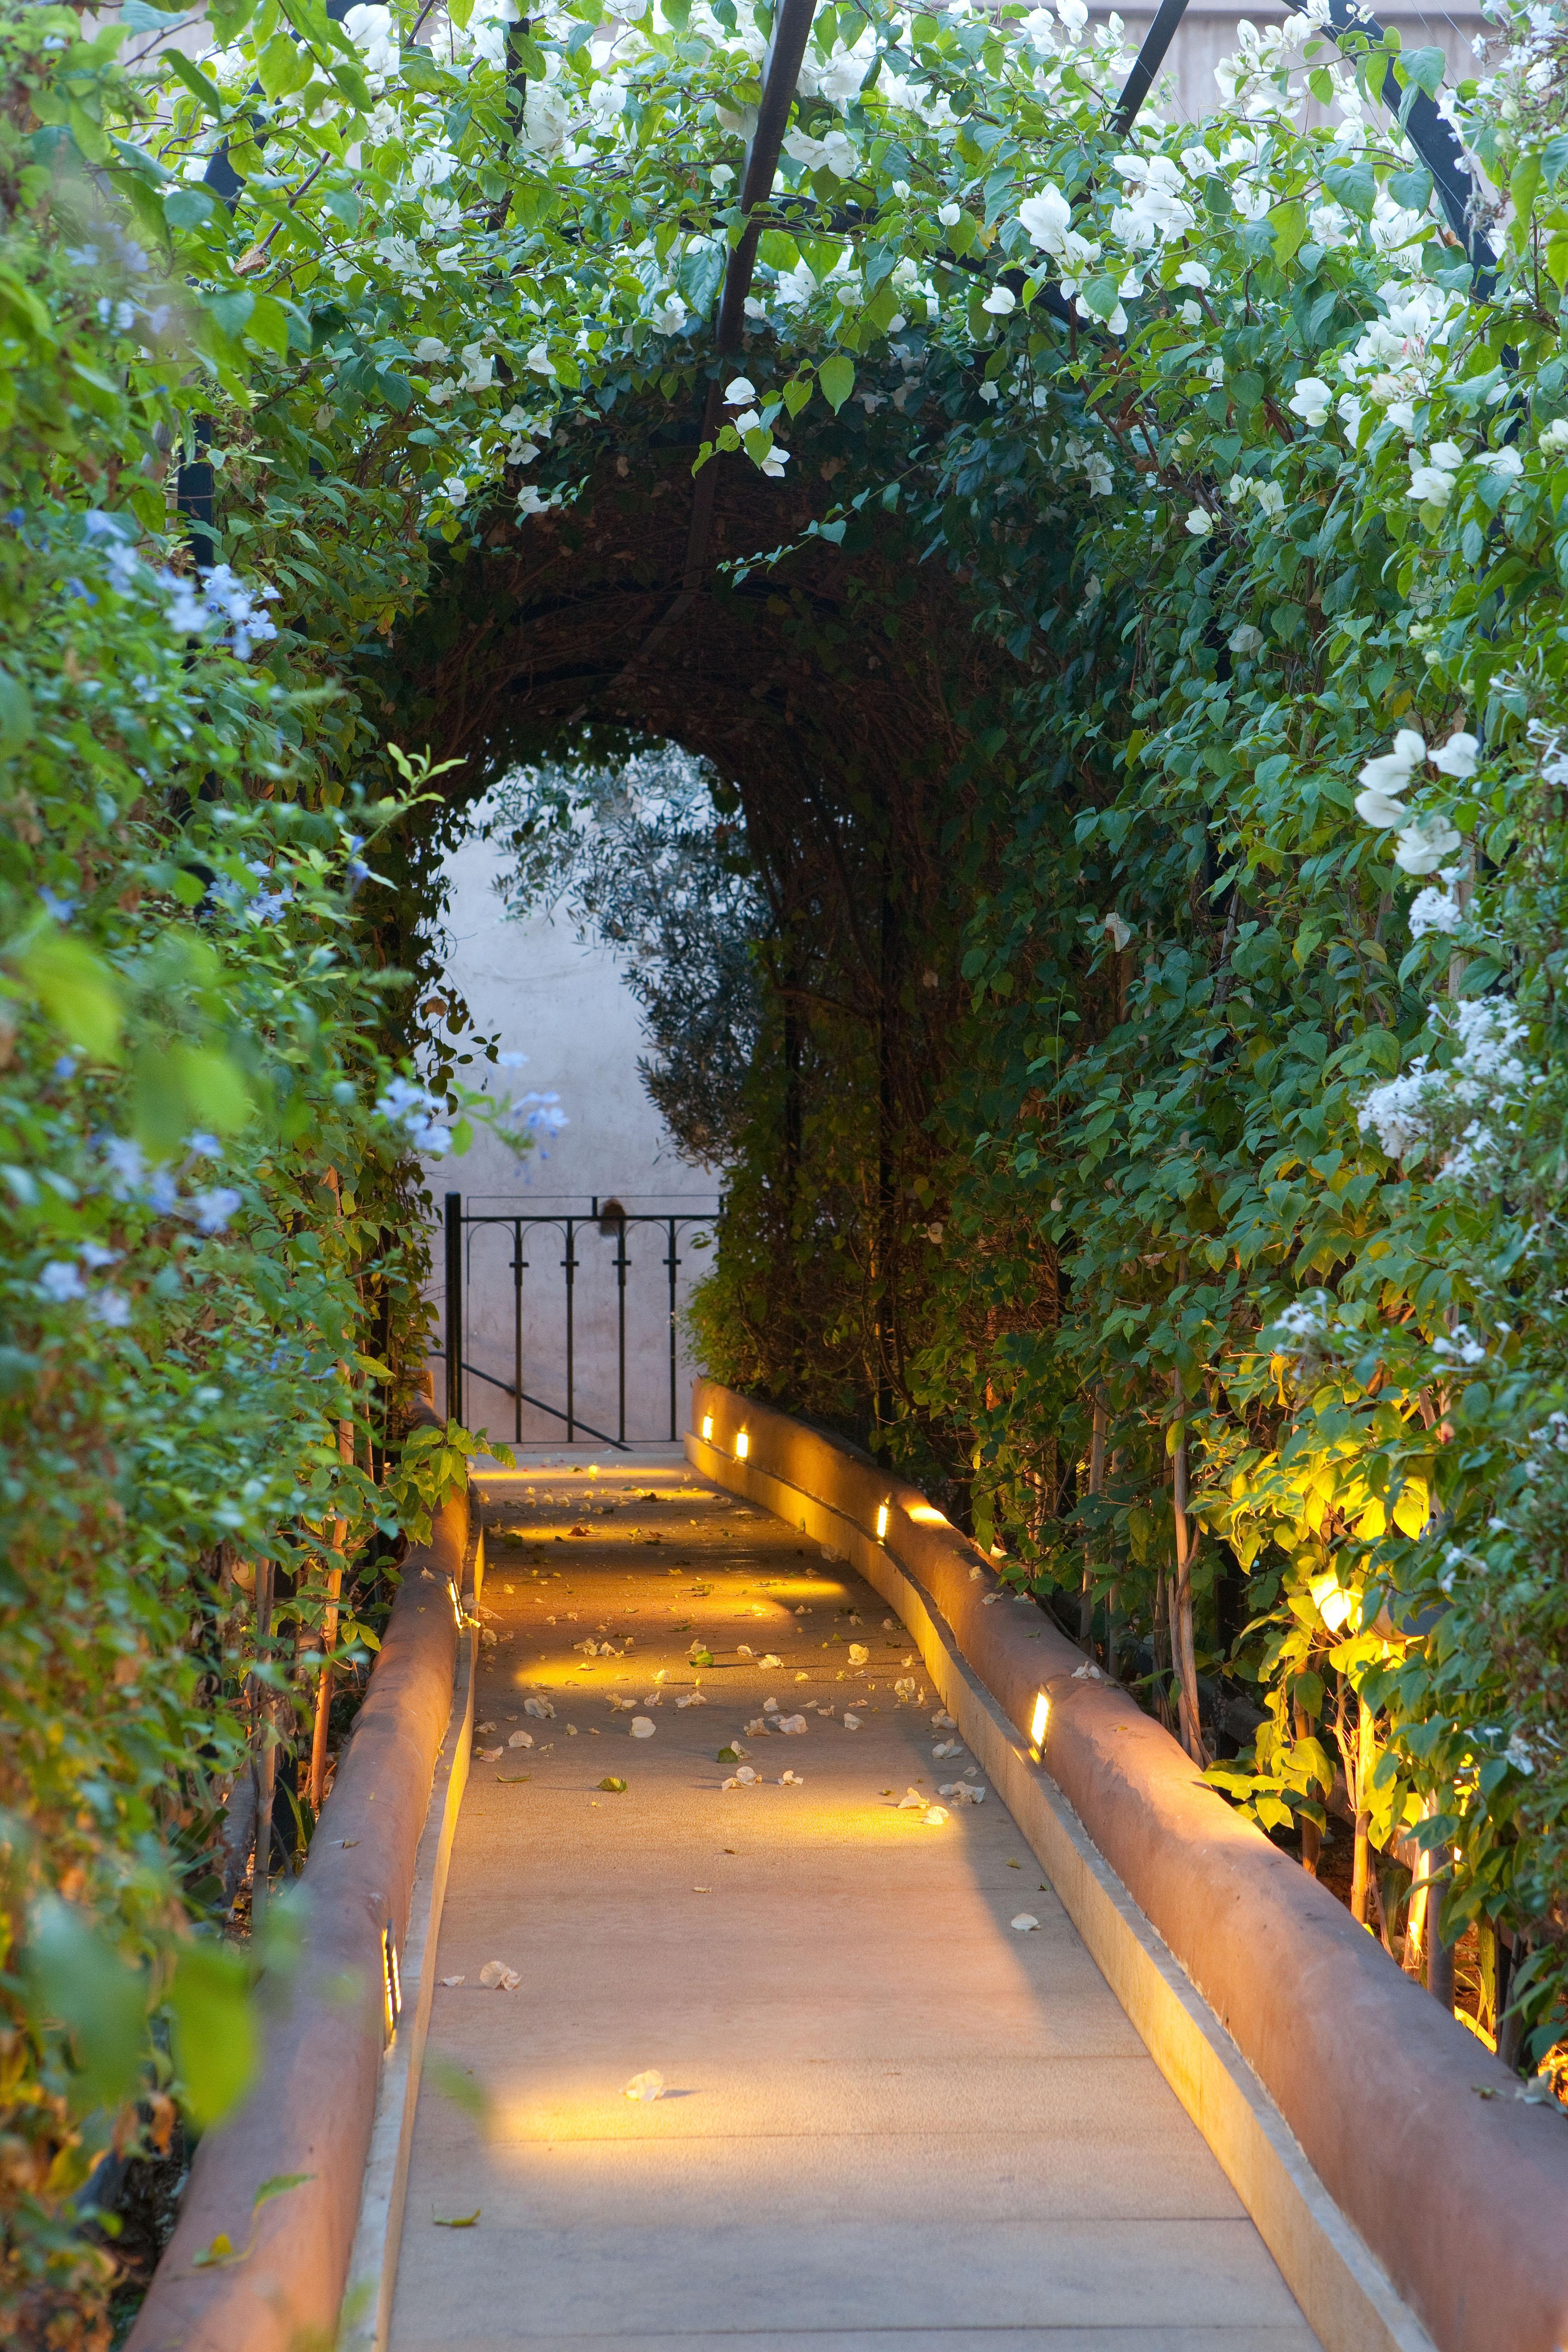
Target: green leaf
<point>837,377</point>
<point>1424,67</point>
<point>16,716</point>
<point>796,393</point>
<point>1289,223</point>
<point>79,992</point>
<point>213,2030</point>
<point>613,1786</point>
<point>230,312</point>
<point>76,1980</point>
<point>1413,189</point>
<point>280,2184</point>
<point>1354,185</point>
<point>466,2221</point>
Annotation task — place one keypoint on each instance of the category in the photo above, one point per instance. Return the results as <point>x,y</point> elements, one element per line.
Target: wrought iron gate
<point>463,1225</point>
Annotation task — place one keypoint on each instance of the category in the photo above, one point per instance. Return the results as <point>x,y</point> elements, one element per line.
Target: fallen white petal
<point>642,1727</point>
<point>791,1723</point>
<point>935,1816</point>
<point>452,1981</point>
<point>647,2086</point>
<point>497,1978</point>
<point>1024,1921</point>
<point>851,1722</point>
<point>520,1739</point>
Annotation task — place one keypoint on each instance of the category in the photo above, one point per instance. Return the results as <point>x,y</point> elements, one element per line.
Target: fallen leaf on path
<point>646,2086</point>
<point>484,1726</point>
<point>744,1651</point>
<point>905,1689</point>
<point>616,1788</point>
<point>497,1978</point>
<point>489,1755</point>
<point>733,1754</point>
<point>770,1659</point>
<point>540,1708</point>
<point>457,2221</point>
<point>1024,1921</point>
<point>858,1653</point>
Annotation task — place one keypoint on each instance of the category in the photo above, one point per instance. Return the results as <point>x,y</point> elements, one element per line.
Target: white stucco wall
<point>566,1007</point>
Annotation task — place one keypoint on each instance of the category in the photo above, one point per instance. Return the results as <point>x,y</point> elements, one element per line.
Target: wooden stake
<point>1096,1488</point>
<point>318,1782</point>
<point>1182,1650</point>
<point>265,1765</point>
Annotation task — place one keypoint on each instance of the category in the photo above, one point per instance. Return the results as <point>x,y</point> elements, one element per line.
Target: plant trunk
<point>265,1763</point>
<point>1311,1835</point>
<point>318,1783</point>
<point>1361,1865</point>
<point>1096,1488</point>
<point>1182,1646</point>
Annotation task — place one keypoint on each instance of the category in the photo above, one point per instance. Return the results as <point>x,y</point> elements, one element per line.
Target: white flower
<point>1200,523</point>
<point>1310,401</point>
<point>1457,756</point>
<point>1433,910</point>
<point>949,216</point>
<point>1001,301</point>
<point>1046,218</point>
<point>739,392</point>
<point>669,317</point>
<point>1376,807</point>
<point>1097,474</point>
<point>540,361</point>
<point>1553,436</point>
<point>1349,408</point>
<point>774,463</point>
<point>1519,1754</point>
<point>1403,414</point>
<point>1424,845</point>
<point>373,34</point>
<point>1193,273</point>
<point>1190,315</point>
<point>1446,453</point>
<point>1119,932</point>
<point>747,422</point>
<point>455,488</point>
<point>1505,461</point>
<point>1245,639</point>
<point>1392,771</point>
<point>1430,486</point>
<point>990,392</point>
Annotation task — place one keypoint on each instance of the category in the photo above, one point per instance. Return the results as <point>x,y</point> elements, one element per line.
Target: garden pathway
<point>887,2113</point>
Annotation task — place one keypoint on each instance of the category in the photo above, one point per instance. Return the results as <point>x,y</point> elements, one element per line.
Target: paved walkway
<point>887,2113</point>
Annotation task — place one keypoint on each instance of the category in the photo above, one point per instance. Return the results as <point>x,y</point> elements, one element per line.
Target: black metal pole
<point>570,1263</point>
<point>621,1323</point>
<point>674,1262</point>
<point>455,1307</point>
<point>1147,64</point>
<point>517,1324</point>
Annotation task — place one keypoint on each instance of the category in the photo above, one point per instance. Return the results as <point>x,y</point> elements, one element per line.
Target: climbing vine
<point>1179,1077</point>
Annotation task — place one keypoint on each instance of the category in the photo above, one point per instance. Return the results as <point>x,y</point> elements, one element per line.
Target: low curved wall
<point>1462,2199</point>
<point>312,2106</point>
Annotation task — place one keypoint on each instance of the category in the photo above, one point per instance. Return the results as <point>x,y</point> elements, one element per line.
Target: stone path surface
<point>887,2113</point>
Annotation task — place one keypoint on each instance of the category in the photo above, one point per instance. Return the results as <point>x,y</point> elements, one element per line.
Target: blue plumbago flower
<point>64,1068</point>
<point>112,1307</point>
<point>214,1209</point>
<point>202,1146</point>
<point>61,910</point>
<point>403,1102</point>
<point>60,1281</point>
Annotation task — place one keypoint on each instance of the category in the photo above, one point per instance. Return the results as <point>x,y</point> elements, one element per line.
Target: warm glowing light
<point>457,1600</point>
<point>743,1446</point>
<point>1039,1719</point>
<point>707,1429</point>
<point>881,1523</point>
<point>926,1515</point>
<point>391,1981</point>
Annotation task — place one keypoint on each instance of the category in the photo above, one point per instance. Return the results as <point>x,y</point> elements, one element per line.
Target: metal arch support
<point>1434,141</point>
<point>781,71</point>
